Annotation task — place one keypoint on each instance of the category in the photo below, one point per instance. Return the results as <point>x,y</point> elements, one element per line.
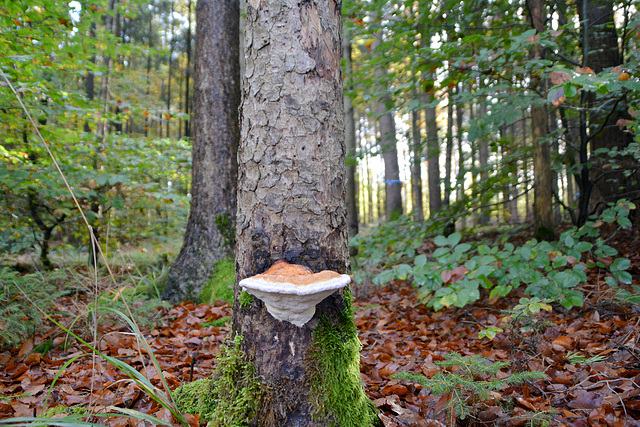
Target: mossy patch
<point>226,229</point>
<point>192,397</point>
<point>220,286</point>
<point>245,299</point>
<point>335,372</point>
<point>64,409</point>
<point>218,323</point>
<point>231,396</point>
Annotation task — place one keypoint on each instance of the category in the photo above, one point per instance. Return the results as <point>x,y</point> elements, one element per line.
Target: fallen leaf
<point>26,347</point>
<point>561,343</point>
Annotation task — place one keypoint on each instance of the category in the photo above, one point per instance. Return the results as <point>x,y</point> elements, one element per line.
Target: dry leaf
<point>26,347</point>
<point>584,70</point>
<point>623,123</point>
<point>559,77</point>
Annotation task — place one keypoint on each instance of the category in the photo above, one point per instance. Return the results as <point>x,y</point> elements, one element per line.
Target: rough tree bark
<point>209,234</point>
<point>291,206</point>
<point>542,176</point>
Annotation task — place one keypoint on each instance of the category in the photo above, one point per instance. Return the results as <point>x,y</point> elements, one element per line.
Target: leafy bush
<point>454,273</point>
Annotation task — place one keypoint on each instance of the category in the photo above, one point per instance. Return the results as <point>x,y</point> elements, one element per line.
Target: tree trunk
<point>433,159</point>
<point>448,151</point>
<point>542,175</point>
<point>459,134</point>
<point>388,147</point>
<point>187,123</point>
<point>483,161</point>
<point>416,167</point>
<point>170,73</point>
<point>291,207</point>
<point>350,143</point>
<point>601,51</point>
<point>450,226</point>
<point>210,228</point>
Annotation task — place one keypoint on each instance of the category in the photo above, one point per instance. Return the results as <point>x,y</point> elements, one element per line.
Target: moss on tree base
<point>334,365</point>
<point>235,393</point>
<point>231,396</point>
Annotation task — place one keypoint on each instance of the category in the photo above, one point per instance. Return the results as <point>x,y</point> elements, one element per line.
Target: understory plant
<point>454,272</point>
<point>19,317</point>
<point>468,382</point>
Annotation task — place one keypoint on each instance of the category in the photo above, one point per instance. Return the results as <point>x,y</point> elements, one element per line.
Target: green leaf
<point>420,260</point>
<point>441,241</point>
<point>454,239</point>
<point>583,246</point>
<point>620,264</point>
<point>568,241</point>
<point>611,282</point>
<point>570,90</point>
<point>572,299</point>
<point>623,276</point>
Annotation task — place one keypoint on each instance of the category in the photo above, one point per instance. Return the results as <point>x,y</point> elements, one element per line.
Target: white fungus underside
<point>289,302</point>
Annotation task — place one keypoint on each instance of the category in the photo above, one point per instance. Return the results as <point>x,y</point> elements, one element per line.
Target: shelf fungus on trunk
<point>291,292</point>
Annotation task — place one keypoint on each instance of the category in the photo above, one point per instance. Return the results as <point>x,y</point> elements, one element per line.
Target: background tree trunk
<point>416,166</point>
<point>601,50</point>
<point>350,143</point>
<point>542,176</point>
<point>433,159</point>
<point>210,228</point>
<point>388,145</point>
<point>291,200</point>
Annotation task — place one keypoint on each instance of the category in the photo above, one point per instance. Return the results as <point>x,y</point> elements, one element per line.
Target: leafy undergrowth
<point>590,357</point>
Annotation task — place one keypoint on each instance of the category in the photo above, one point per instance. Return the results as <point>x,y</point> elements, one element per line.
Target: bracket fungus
<point>291,292</point>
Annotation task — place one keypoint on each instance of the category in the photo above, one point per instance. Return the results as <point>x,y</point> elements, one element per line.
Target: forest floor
<point>590,357</point>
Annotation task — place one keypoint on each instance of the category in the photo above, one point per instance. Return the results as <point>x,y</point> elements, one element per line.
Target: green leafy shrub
<point>522,324</point>
<point>454,273</point>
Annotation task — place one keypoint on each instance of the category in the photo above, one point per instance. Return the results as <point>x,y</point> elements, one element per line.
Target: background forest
<point>493,152</point>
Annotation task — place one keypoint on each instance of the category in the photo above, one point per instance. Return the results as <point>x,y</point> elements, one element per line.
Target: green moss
<point>64,409</point>
<point>236,388</point>
<point>218,323</point>
<point>231,396</point>
<point>192,397</point>
<point>220,287</point>
<point>245,299</point>
<point>225,227</point>
<point>335,372</point>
